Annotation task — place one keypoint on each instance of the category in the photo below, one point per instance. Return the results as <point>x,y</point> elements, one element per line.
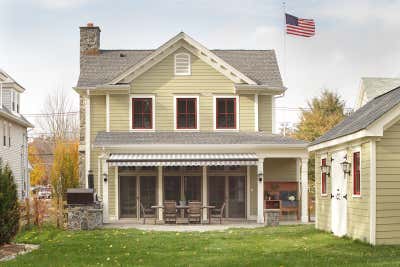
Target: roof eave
<point>260,89</point>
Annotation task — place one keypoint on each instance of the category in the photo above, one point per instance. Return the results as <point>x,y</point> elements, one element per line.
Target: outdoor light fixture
<point>326,169</point>
<point>105,177</point>
<point>346,166</point>
<point>260,177</point>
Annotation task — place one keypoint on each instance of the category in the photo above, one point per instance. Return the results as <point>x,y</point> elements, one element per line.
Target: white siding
<point>16,155</point>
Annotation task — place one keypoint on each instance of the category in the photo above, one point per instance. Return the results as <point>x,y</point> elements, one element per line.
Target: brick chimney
<point>90,39</point>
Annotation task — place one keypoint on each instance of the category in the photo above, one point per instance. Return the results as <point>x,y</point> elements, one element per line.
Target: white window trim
<point>197,113</point>
<point>153,111</point>
<point>189,62</point>
<point>325,157</point>
<point>355,150</point>
<point>215,113</point>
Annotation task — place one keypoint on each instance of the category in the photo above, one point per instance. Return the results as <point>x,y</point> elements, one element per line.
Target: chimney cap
<point>90,24</point>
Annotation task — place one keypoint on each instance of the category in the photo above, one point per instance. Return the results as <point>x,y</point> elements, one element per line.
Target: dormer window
<point>13,98</point>
<point>182,64</point>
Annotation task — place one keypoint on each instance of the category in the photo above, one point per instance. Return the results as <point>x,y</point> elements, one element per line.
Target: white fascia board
<point>340,140</point>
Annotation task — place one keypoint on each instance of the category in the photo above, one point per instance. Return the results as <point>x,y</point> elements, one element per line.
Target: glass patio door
<point>128,197</point>
<point>172,188</point>
<point>192,188</point>
<point>237,196</point>
<point>216,190</point>
<point>148,191</point>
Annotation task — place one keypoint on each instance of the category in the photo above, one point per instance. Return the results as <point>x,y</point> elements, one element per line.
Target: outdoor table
<point>157,207</point>
<point>182,209</point>
<point>209,208</point>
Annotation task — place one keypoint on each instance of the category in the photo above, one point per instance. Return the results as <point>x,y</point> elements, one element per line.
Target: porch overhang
<point>180,159</point>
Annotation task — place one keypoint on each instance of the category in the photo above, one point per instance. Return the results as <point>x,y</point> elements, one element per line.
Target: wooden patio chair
<point>147,213</point>
<point>218,213</point>
<point>194,211</point>
<point>170,211</point>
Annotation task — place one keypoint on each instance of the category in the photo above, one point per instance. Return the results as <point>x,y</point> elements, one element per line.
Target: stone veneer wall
<point>84,217</point>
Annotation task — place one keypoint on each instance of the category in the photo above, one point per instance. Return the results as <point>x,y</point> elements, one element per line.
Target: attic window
<point>182,64</point>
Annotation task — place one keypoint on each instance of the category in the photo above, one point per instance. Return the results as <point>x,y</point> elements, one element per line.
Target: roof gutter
<point>260,89</point>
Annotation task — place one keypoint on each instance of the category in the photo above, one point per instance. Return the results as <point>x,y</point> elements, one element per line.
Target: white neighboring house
<point>13,133</point>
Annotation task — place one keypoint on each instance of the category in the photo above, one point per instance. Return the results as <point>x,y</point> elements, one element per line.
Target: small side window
<point>323,178</point>
<point>356,174</point>
<point>182,64</point>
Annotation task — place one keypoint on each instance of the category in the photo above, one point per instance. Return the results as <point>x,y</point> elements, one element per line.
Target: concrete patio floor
<point>150,226</point>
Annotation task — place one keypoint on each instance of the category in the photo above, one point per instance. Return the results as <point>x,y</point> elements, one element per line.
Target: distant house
<point>358,168</point>
<point>185,123</point>
<point>13,133</point>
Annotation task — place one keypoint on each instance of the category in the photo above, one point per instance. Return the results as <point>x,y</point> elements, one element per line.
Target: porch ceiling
<point>180,159</point>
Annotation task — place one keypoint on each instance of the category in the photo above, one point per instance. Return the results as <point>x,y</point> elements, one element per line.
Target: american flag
<point>299,27</point>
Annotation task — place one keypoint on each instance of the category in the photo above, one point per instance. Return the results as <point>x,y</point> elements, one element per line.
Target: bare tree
<point>59,120</point>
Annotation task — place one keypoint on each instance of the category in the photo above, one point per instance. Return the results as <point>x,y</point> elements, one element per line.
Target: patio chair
<point>147,213</point>
<point>194,211</point>
<point>170,211</point>
<point>218,213</point>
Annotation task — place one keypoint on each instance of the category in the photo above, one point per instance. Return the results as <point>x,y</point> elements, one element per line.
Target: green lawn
<point>281,246</point>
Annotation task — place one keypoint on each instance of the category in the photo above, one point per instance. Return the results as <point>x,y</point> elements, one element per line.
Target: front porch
<point>244,185</point>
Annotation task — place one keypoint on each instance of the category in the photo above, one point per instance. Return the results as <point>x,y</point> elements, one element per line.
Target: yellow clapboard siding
<point>264,113</point>
<point>280,170</point>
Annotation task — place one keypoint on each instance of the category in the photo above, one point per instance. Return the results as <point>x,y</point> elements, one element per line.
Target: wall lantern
<point>260,177</point>
<point>346,166</point>
<point>105,177</point>
<point>326,169</point>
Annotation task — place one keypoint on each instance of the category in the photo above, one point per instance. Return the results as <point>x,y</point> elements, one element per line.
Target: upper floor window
<point>356,174</point>
<point>182,64</point>
<point>142,113</point>
<point>226,113</point>
<point>13,100</point>
<point>323,178</point>
<point>186,113</point>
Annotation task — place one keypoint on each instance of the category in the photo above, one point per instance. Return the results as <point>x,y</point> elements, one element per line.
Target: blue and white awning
<point>178,159</point>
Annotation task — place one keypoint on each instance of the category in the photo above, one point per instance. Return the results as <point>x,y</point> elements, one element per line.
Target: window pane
<point>191,106</point>
<point>182,121</point>
<point>221,121</point>
<point>230,121</point>
<point>147,105</point>
<point>230,105</point>
<point>147,121</point>
<point>191,121</point>
<point>220,106</point>
<point>137,106</point>
<point>137,121</point>
<point>181,106</point>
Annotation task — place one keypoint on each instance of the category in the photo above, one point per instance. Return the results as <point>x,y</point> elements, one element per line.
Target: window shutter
<point>182,64</point>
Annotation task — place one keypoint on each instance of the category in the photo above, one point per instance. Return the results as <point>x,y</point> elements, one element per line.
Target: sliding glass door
<point>128,197</point>
<point>237,196</point>
<point>148,191</point>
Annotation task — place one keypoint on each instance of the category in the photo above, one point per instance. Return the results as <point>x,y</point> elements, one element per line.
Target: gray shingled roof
<point>259,65</point>
<point>20,119</point>
<point>363,117</point>
<point>196,138</point>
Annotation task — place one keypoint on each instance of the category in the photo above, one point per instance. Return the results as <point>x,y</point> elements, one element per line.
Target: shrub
<point>9,206</point>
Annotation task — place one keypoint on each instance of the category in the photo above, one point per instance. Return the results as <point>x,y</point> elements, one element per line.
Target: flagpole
<point>284,41</point>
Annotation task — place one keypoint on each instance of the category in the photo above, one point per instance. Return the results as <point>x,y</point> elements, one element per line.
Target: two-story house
<point>13,132</point>
<point>182,122</point>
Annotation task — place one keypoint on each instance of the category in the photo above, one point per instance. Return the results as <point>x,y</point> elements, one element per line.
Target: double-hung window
<point>186,113</point>
<point>356,174</point>
<point>226,113</point>
<point>323,178</point>
<point>142,113</point>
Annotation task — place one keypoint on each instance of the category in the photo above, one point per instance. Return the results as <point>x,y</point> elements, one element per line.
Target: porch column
<point>260,190</point>
<point>104,177</point>
<point>160,195</point>
<point>205,193</point>
<point>304,190</point>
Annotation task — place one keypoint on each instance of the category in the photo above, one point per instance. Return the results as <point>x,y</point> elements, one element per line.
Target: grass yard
<point>281,246</point>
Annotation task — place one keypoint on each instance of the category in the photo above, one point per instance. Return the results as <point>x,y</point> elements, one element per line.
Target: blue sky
<point>39,39</point>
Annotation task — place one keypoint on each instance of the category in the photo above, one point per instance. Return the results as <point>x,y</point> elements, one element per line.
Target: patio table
<point>209,208</point>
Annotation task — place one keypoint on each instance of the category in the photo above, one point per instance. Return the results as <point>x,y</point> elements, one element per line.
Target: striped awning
<point>192,159</point>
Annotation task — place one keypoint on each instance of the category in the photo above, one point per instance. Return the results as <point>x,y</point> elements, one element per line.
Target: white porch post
<point>304,190</point>
<point>205,193</point>
<point>260,190</point>
<point>104,178</point>
<point>160,192</point>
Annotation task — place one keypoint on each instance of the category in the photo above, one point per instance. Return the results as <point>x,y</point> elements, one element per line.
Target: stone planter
<point>272,217</point>
<point>84,217</point>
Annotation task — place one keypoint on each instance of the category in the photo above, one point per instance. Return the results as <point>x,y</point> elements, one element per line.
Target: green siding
<point>119,113</point>
<point>246,113</point>
<point>388,187</point>
<point>265,113</point>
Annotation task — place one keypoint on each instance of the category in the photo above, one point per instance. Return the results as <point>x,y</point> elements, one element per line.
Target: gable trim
<point>165,50</point>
